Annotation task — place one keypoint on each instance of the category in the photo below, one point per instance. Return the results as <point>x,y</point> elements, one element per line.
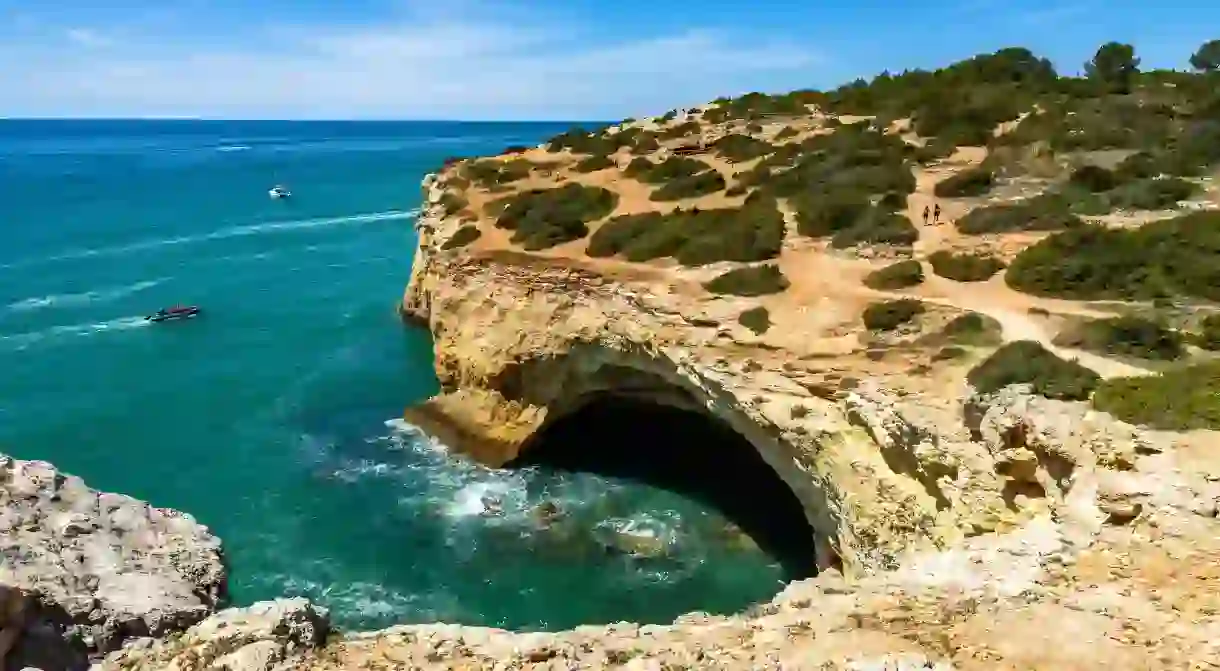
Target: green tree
<point>1115,65</point>
<point>1207,58</point>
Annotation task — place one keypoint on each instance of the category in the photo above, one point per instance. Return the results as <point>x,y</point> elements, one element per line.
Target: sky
<point>522,59</point>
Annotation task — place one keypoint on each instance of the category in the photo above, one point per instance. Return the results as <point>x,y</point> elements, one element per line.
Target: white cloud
<point>442,68</point>
<point>88,38</point>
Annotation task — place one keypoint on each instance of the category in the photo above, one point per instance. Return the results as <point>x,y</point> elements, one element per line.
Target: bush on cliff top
<point>462,237</point>
<point>738,148</point>
<point>877,226</point>
<point>1171,257</point>
<point>594,163</point>
<point>964,267</point>
<point>1125,336</point>
<point>1035,214</point>
<point>749,281</point>
<point>1182,399</point>
<point>694,186</point>
<point>675,167</point>
<point>756,319</point>
<point>974,329</point>
<point>889,315</point>
<point>898,275</point>
<point>972,182</point>
<point>491,173</point>
<point>751,232</point>
<point>1209,332</point>
<point>541,218</point>
<point>1027,362</point>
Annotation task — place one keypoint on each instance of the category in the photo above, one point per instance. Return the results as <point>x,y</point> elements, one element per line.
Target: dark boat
<point>176,312</point>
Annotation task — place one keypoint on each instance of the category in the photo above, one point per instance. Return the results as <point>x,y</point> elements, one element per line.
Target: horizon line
<point>294,120</point>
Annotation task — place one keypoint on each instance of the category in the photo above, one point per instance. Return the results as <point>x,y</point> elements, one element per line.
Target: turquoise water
<point>271,417</point>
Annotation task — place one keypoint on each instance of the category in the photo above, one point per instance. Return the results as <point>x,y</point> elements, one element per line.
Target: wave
<point>85,298</point>
<point>20,341</point>
<point>233,147</point>
<point>226,233</point>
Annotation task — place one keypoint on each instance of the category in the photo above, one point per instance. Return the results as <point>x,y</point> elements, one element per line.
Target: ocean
<point>272,417</point>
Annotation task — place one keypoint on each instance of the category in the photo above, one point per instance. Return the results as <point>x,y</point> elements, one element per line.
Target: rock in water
<point>93,569</point>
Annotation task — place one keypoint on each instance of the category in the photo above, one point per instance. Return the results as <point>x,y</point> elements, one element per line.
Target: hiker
<point>936,214</point>
<point>926,209</point>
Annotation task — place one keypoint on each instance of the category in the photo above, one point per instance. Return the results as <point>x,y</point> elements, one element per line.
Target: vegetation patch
<point>1093,178</point>
<point>785,133</point>
<point>819,215</point>
<point>889,315</point>
<point>462,237</point>
<point>738,148</point>
<point>594,163</point>
<point>694,186</point>
<point>1183,399</point>
<point>749,281</point>
<point>1125,336</point>
<point>964,267</point>
<point>683,129</point>
<point>973,329</point>
<point>751,232</point>
<point>491,173</point>
<point>1035,214</point>
<point>1028,362</point>
<point>898,275</point>
<point>877,226</point>
<point>1167,258</point>
<point>1209,332</point>
<point>968,183</point>
<point>452,203</point>
<point>541,218</point>
<point>756,319</point>
<point>675,167</point>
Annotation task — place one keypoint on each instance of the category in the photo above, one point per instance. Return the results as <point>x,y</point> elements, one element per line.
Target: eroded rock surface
<point>92,569</point>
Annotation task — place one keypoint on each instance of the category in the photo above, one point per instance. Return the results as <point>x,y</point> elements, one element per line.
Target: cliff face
<point>522,340</point>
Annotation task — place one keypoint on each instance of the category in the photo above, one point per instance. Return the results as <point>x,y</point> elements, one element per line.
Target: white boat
<point>278,191</point>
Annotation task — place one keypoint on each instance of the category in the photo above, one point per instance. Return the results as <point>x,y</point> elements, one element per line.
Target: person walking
<point>936,214</point>
<point>926,210</point>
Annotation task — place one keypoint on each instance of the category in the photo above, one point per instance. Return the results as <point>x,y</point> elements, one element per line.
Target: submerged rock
<point>87,570</point>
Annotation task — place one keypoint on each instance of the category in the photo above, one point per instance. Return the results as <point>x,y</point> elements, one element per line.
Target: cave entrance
<point>688,452</point>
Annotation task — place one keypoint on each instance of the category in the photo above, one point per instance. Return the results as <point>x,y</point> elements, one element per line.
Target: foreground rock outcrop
<point>83,571</point>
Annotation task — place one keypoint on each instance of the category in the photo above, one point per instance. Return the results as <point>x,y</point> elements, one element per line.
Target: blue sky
<point>505,59</point>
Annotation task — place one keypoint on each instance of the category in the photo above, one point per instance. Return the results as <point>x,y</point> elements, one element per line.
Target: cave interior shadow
<point>688,452</point>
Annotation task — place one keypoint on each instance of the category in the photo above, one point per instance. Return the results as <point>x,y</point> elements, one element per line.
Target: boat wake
<point>84,298</point>
<point>21,341</point>
<point>225,233</point>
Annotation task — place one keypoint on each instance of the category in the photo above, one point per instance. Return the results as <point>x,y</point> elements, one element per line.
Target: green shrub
<point>690,187</point>
<point>752,232</point>
<point>785,133</point>
<point>893,201</point>
<point>974,329</point>
<point>889,315</point>
<point>972,182</point>
<point>822,214</point>
<point>1125,336</point>
<point>877,226</point>
<point>735,190</point>
<point>462,237</point>
<point>1093,178</point>
<point>681,130</point>
<point>1209,332</point>
<point>638,166</point>
<point>490,173</point>
<point>756,319</point>
<point>934,150</point>
<point>749,281</point>
<point>1183,399</point>
<point>1140,165</point>
<point>895,276</point>
<point>1027,362</point>
<point>675,167</point>
<point>964,267</point>
<point>1037,214</point>
<point>1159,193</point>
<point>541,218</point>
<point>738,148</point>
<point>452,203</point>
<point>594,163</point>
<point>1171,257</point>
<point>949,353</point>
